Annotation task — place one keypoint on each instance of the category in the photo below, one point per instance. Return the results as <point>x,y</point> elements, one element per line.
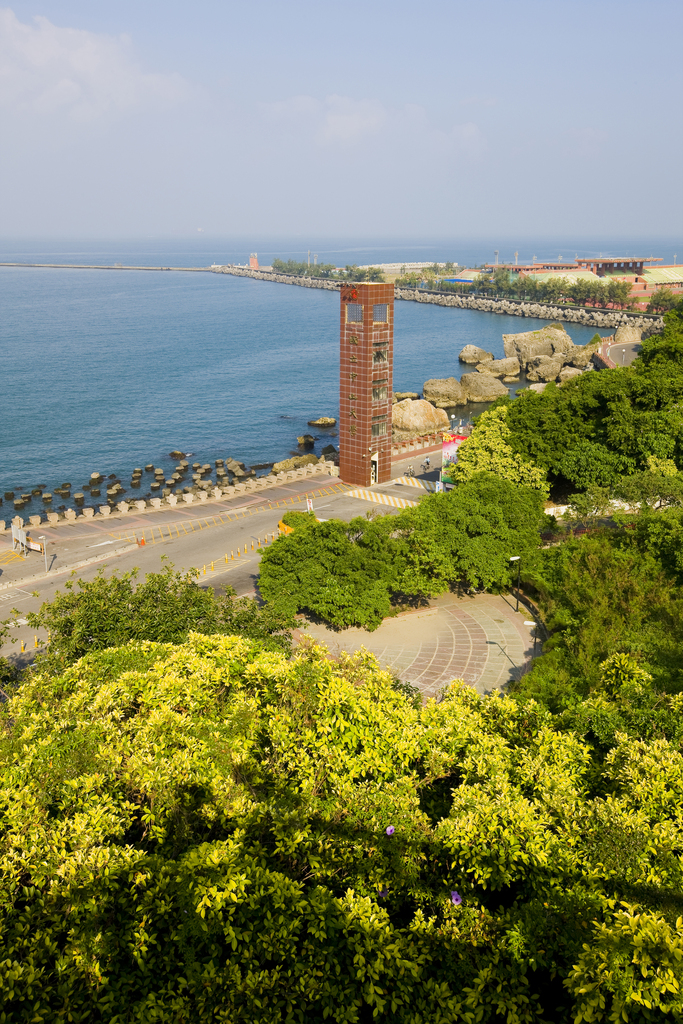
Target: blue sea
<point>105,371</point>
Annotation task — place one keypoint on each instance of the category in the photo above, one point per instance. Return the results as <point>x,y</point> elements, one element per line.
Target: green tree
<point>488,450</point>
<point>662,301</point>
<point>91,615</point>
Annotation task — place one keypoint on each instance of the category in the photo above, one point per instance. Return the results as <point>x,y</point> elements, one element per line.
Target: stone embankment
<point>265,275</point>
<point>588,317</point>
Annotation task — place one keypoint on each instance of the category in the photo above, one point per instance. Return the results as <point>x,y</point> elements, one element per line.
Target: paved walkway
<point>480,639</point>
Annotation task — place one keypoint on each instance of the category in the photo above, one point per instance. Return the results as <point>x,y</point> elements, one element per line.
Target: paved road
<point>624,355</point>
<point>476,639</point>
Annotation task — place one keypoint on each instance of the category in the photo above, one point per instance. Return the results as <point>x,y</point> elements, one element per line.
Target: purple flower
<point>383,893</point>
<point>456,898</point>
<point>390,830</point>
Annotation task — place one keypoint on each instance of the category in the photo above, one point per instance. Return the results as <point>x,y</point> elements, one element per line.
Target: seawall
<point>589,317</point>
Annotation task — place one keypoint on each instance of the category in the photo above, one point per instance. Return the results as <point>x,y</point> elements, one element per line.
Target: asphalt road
<point>624,355</point>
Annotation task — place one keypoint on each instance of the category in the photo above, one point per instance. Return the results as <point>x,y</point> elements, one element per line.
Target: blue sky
<point>350,119</point>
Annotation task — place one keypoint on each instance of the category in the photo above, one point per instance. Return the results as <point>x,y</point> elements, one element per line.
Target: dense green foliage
<point>488,450</point>
<point>110,611</point>
<point>210,832</point>
<point>352,574</point>
<point>327,270</point>
<point>599,427</point>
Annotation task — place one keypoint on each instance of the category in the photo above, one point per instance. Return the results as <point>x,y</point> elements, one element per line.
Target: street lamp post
<point>42,537</point>
<point>516,558</point>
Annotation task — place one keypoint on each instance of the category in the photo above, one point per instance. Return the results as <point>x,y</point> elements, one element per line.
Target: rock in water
<point>400,396</point>
<point>546,342</point>
<point>501,367</point>
<point>418,417</point>
<point>444,392</point>
<point>323,421</point>
<point>482,387</point>
<point>545,367</point>
<point>306,441</point>
<point>473,354</point>
<point>289,464</point>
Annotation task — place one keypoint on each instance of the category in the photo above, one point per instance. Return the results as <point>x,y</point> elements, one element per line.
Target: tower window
<point>354,313</point>
<point>380,313</point>
<point>378,394</point>
<point>378,429</point>
<point>380,356</point>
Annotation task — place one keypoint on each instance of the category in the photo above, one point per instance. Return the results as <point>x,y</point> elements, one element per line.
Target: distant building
<point>253,261</point>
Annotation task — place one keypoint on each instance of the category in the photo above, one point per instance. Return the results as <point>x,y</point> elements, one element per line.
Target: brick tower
<point>366,340</point>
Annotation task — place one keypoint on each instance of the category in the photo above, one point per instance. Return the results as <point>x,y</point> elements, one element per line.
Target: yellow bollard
<point>259,542</point>
<point>212,567</point>
<point>245,549</point>
<point>205,570</point>
<point>23,646</point>
<point>238,552</point>
<point>252,545</point>
<point>232,554</point>
<point>35,640</point>
<point>226,557</point>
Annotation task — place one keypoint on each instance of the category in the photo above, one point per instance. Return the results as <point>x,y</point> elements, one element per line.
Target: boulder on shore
<point>399,396</point>
<point>473,354</point>
<point>418,417</point>
<point>568,373</point>
<point>444,392</point>
<point>544,367</point>
<point>482,387</point>
<point>508,367</point>
<point>289,464</point>
<point>548,341</point>
<point>628,335</point>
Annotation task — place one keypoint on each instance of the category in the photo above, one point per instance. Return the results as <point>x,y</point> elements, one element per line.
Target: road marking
<point>381,499</point>
<point>10,556</point>
<point>412,481</point>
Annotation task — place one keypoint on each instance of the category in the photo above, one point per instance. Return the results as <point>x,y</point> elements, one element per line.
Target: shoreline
<point>650,323</point>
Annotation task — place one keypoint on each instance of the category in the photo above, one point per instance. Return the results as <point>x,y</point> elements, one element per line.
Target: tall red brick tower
<point>366,340</point>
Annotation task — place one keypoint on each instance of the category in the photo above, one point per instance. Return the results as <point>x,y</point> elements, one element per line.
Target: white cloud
<point>343,122</point>
<point>45,69</point>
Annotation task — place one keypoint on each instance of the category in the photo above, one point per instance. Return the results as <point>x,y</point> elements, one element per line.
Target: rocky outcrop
<point>323,421</point>
<point>538,388</point>
<point>400,396</point>
<point>568,373</point>
<point>444,392</point>
<point>544,368</point>
<point>628,334</point>
<point>418,417</point>
<point>482,387</point>
<point>473,354</point>
<point>546,342</point>
<point>501,367</point>
<point>289,464</point>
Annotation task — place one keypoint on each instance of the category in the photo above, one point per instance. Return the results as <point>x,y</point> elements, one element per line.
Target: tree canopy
<point>209,831</point>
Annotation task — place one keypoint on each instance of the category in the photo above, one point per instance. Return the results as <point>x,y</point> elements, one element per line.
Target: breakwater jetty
<point>587,316</point>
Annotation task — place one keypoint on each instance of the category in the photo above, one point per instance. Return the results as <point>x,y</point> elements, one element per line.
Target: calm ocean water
<point>107,371</point>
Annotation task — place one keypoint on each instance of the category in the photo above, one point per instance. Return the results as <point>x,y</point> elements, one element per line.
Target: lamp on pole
<point>516,558</point>
<point>42,537</point>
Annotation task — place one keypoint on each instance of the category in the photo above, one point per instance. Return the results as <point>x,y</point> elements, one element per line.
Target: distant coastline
<point>586,316</point>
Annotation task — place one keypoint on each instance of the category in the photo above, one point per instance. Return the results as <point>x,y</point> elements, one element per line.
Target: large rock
<point>544,367</point>
<point>568,373</point>
<point>501,367</point>
<point>287,465</point>
<point>420,417</point>
<point>482,387</point>
<point>628,335</point>
<point>546,342</point>
<point>473,354</point>
<point>444,392</point>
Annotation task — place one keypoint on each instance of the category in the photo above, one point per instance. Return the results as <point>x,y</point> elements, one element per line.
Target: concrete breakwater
<point>588,317</point>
